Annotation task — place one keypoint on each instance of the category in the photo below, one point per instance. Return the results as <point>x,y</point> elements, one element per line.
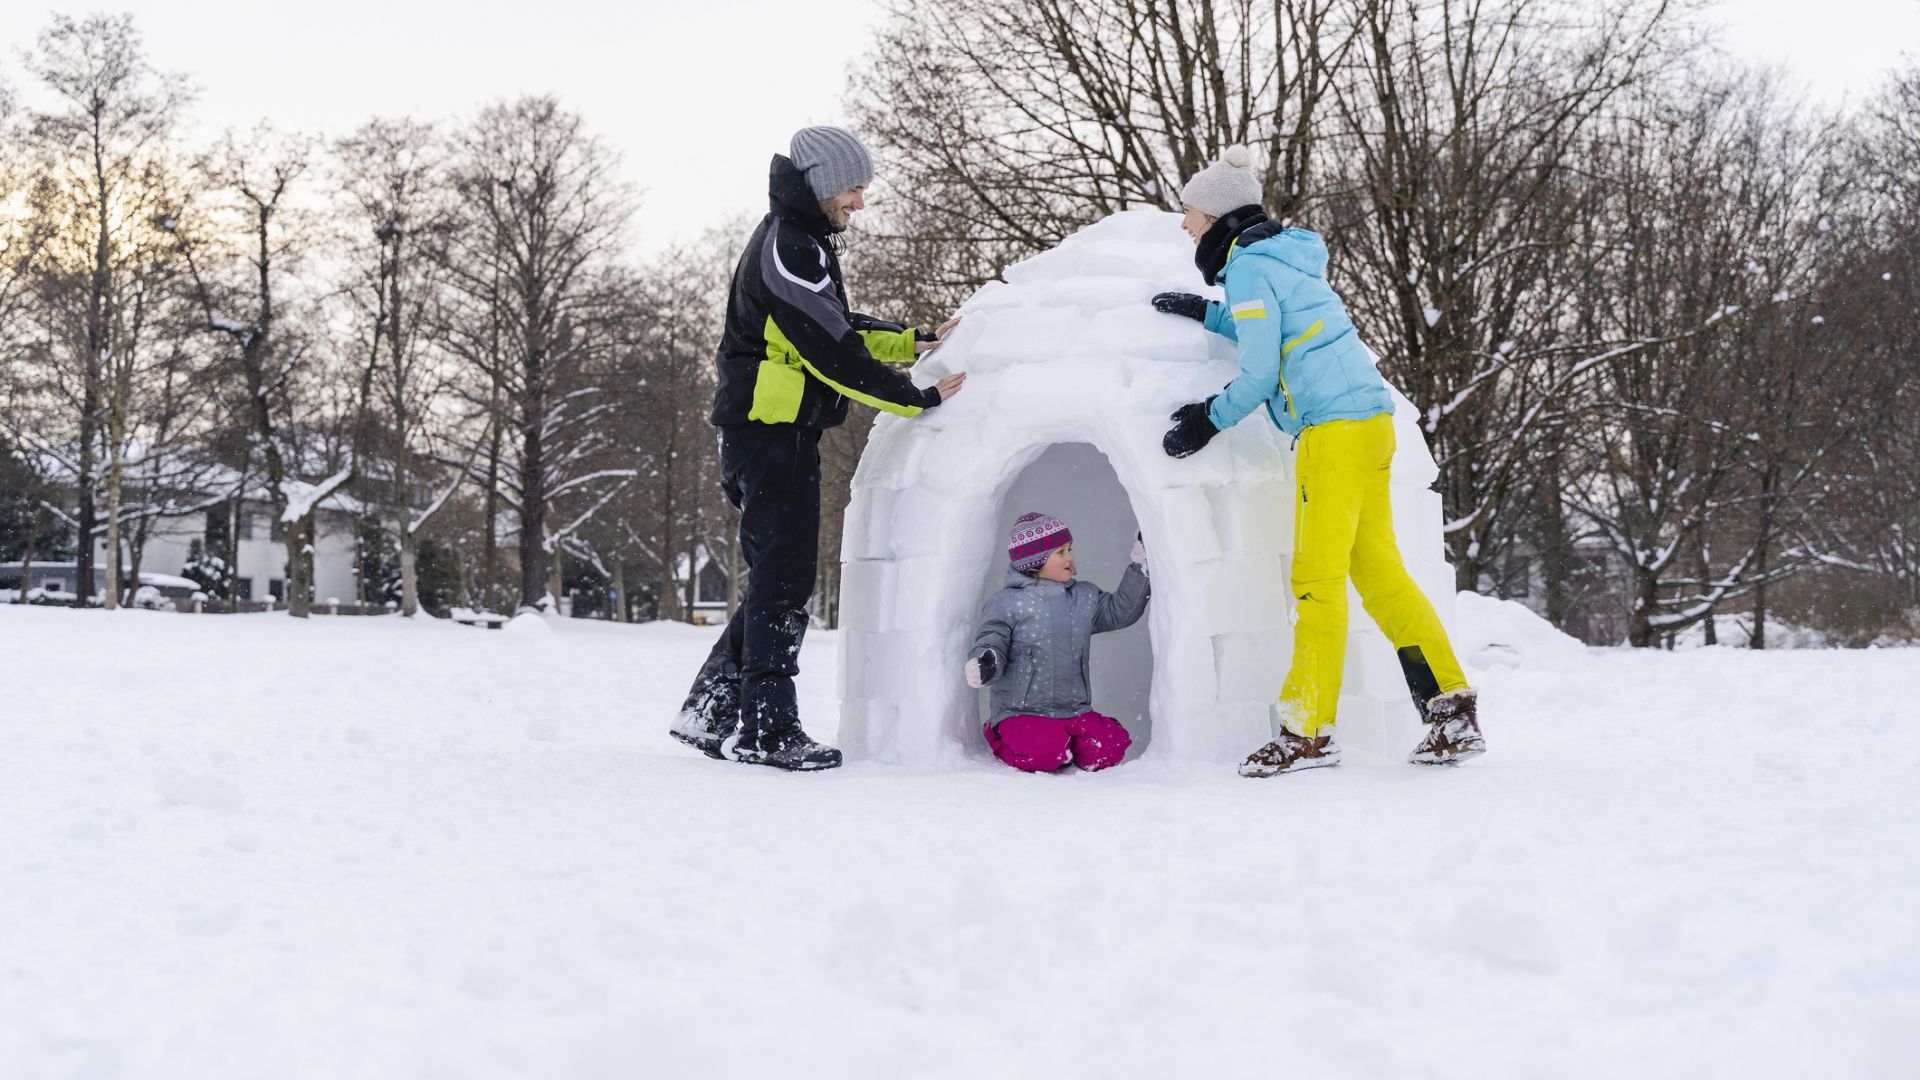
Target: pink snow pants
<point>1044,743</point>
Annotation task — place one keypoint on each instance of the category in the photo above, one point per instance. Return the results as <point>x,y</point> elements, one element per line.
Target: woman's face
<point>1196,224</point>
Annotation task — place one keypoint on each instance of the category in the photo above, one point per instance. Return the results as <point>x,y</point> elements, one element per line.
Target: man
<point>791,355</point>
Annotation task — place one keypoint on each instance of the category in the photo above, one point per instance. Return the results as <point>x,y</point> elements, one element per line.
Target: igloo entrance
<point>1077,484</point>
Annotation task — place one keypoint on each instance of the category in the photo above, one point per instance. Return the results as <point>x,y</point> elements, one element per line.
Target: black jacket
<point>792,353</point>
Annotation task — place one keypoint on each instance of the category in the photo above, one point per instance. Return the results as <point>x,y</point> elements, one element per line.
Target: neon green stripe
<point>1310,331</point>
<point>779,385</point>
<point>782,380</point>
<point>890,346</point>
<point>1284,350</point>
<point>865,399</point>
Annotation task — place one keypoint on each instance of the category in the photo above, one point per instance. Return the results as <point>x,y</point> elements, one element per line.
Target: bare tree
<point>1003,125</point>
<point>242,259</point>
<point>1707,187</point>
<point>110,122</point>
<point>391,175</point>
<point>541,216</point>
<point>1454,241</point>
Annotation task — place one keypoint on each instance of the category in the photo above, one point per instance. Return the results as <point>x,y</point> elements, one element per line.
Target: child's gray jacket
<point>1041,631</point>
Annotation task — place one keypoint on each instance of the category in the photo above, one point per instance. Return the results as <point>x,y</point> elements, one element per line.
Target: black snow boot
<point>794,751</point>
<point>1453,730</point>
<point>711,713</point>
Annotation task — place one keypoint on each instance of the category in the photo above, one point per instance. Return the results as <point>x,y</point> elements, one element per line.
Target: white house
<point>260,569</point>
<point>1071,379</point>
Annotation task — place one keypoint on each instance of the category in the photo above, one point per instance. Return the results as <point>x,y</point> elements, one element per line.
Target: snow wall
<point>1071,377</point>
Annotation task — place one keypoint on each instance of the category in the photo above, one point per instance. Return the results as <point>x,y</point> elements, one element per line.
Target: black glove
<point>1191,430</point>
<point>1182,303</point>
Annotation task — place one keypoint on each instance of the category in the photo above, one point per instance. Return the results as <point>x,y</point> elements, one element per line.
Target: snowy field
<point>250,847</point>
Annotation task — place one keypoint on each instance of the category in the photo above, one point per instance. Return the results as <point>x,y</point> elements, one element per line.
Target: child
<point>1032,649</point>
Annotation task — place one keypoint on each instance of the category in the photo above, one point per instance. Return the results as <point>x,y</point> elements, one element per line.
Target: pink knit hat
<point>1034,537</point>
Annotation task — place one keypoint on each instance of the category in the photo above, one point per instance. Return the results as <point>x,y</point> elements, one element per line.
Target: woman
<point>1301,358</point>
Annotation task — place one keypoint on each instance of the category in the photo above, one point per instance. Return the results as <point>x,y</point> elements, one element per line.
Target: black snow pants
<point>771,474</point>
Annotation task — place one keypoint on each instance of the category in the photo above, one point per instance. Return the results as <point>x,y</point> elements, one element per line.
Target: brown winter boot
<point>1453,730</point>
<point>1291,753</point>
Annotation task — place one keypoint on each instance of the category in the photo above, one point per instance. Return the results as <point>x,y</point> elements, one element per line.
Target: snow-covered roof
<point>1068,350</point>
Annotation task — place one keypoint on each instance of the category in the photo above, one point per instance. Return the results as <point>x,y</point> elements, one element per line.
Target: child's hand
<point>983,669</point>
<point>1139,553</point>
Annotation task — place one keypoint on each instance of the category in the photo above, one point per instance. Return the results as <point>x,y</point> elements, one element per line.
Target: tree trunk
<point>462,577</point>
<point>1758,639</point>
<point>1640,633</point>
<point>115,571</point>
<point>136,553</point>
<point>1711,633</point>
<point>533,508</point>
<point>489,538</point>
<point>555,579</point>
<point>1554,554</point>
<point>619,591</point>
<point>26,554</point>
<point>409,558</point>
<point>83,556</point>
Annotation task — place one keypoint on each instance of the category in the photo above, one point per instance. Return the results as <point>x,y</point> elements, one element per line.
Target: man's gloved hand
<point>1191,430</point>
<point>983,669</point>
<point>1182,303</point>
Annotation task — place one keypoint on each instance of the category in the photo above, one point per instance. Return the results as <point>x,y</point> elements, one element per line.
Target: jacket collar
<point>1217,243</point>
<point>792,200</point>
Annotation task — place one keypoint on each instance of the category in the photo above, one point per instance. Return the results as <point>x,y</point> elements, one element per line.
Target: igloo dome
<point>1071,377</point>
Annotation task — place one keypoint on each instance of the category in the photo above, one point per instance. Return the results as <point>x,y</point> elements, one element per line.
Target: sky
<point>696,94</point>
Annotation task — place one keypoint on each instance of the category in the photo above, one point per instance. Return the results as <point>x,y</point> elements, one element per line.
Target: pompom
<point>1237,156</point>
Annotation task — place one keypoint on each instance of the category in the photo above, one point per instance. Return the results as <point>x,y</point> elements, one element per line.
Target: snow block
<point>911,604</point>
<point>1142,331</point>
<point>1005,337</point>
<point>892,454</point>
<point>1244,593</point>
<point>866,590</point>
<point>1252,667</point>
<point>1186,667</point>
<point>1187,514</point>
<point>1253,517</point>
<point>1220,732</point>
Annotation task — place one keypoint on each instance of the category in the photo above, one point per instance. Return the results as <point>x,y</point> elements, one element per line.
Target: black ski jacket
<point>791,352</point>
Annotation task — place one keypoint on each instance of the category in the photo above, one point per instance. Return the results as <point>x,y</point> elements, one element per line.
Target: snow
<point>374,848</point>
<point>1071,377</point>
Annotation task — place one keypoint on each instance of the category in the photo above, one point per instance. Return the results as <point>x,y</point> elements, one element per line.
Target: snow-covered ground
<point>246,846</point>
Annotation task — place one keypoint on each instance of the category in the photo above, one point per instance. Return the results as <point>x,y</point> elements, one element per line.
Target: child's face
<point>1059,565</point>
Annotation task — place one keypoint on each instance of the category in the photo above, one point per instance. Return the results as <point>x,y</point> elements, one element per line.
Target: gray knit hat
<point>1224,186</point>
<point>832,158</point>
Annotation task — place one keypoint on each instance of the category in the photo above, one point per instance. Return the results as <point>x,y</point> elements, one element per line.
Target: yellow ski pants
<point>1343,527</point>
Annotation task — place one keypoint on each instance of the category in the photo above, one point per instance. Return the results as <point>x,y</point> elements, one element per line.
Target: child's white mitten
<point>1139,554</point>
<point>983,669</point>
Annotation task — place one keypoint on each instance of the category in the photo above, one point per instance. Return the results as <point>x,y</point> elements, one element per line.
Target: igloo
<point>1071,377</point>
